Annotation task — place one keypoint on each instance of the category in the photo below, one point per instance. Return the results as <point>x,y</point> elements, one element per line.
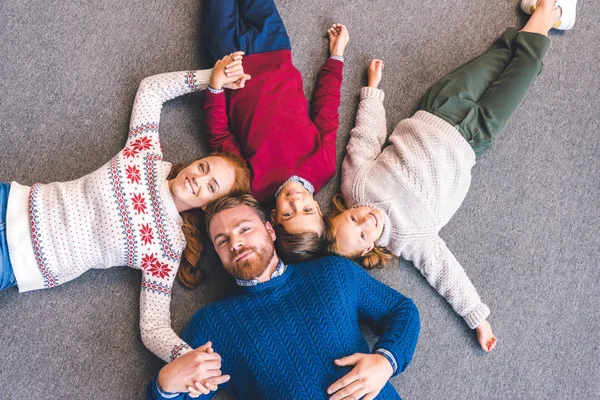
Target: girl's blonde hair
<point>378,257</point>
<point>190,274</point>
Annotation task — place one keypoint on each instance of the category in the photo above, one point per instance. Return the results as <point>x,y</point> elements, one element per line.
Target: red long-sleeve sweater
<point>267,122</point>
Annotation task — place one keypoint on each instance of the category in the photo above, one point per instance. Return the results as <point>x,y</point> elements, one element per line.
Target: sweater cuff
<point>371,93</point>
<point>475,317</point>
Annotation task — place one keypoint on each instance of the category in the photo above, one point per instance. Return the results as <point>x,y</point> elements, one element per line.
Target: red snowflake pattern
<point>146,234</point>
<point>133,174</point>
<point>139,203</point>
<point>129,153</point>
<point>143,143</point>
<point>160,270</point>
<point>148,260</point>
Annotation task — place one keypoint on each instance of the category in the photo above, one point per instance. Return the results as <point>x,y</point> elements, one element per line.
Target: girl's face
<point>201,182</point>
<point>357,229</point>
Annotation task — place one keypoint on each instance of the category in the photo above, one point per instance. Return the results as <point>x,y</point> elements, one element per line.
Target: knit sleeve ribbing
<point>367,137</point>
<point>151,94</point>
<point>438,265</point>
<point>391,316</point>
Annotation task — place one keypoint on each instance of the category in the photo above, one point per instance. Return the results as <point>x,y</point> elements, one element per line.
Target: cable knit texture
<point>120,214</point>
<point>418,180</point>
<point>278,339</point>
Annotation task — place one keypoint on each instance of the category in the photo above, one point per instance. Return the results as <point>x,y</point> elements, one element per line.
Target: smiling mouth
<point>189,186</point>
<point>375,218</point>
<point>244,256</point>
<point>293,192</point>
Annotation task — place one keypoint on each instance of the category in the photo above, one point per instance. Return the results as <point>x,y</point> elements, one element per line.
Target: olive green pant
<point>479,97</point>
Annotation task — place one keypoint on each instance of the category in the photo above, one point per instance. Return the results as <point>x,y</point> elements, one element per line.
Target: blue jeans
<point>253,26</point>
<point>7,277</point>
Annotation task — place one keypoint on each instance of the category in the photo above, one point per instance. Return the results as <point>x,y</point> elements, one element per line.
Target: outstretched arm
<point>368,136</point>
<point>392,317</point>
<point>441,269</point>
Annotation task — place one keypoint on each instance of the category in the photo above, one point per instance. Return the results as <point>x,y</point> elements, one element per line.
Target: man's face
<point>243,242</point>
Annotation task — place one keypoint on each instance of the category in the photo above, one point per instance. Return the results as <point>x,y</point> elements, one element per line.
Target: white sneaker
<point>567,19</point>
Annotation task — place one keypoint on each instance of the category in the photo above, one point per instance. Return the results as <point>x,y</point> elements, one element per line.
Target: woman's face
<point>201,182</point>
<point>357,229</point>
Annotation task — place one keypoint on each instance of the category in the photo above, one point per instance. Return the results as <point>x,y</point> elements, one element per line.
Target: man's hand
<point>374,73</point>
<point>338,39</point>
<point>369,375</point>
<point>228,72</point>
<point>197,372</point>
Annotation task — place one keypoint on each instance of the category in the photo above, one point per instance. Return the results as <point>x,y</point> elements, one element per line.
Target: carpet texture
<point>527,233</point>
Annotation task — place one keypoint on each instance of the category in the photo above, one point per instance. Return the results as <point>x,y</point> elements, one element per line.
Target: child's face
<point>297,210</point>
<point>357,229</point>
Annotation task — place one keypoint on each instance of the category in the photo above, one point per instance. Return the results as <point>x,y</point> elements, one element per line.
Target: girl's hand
<point>485,336</point>
<point>374,73</point>
<point>228,70</point>
<point>338,39</point>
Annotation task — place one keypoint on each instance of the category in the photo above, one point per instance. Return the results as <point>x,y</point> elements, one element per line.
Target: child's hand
<point>338,39</point>
<point>485,336</point>
<point>229,72</point>
<point>374,73</point>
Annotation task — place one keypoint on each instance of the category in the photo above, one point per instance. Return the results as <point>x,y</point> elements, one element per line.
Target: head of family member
<point>195,186</point>
<point>298,222</point>
<point>242,237</point>
<point>353,233</point>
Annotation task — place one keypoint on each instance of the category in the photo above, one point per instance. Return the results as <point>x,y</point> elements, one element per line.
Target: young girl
<point>400,195</point>
<point>291,155</point>
<point>125,213</point>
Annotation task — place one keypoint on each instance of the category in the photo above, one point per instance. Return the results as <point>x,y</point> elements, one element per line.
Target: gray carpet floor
<point>527,233</point>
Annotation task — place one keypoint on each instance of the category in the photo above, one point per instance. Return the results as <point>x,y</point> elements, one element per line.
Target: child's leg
<point>253,26</point>
<point>7,277</point>
<point>480,96</point>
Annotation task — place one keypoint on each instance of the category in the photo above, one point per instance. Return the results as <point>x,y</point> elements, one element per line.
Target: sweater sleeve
<point>326,102</point>
<point>216,125</point>
<point>368,136</point>
<point>151,94</point>
<point>391,316</point>
<point>155,313</point>
<point>438,265</point>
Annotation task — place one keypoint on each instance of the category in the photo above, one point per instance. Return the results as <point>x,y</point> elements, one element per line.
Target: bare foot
<point>338,39</point>
<point>485,336</point>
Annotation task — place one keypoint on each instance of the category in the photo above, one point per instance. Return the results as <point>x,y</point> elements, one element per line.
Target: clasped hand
<point>228,72</point>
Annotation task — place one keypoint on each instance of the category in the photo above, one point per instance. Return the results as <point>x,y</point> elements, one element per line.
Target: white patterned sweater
<point>418,180</point>
<point>121,214</point>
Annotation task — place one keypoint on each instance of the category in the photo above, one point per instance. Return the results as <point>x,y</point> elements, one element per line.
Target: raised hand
<point>374,72</point>
<point>369,375</point>
<point>197,372</point>
<point>228,72</point>
<point>338,39</point>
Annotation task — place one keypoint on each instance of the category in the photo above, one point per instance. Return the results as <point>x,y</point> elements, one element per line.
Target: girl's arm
<point>155,311</point>
<point>438,265</point>
<point>152,93</point>
<point>368,136</point>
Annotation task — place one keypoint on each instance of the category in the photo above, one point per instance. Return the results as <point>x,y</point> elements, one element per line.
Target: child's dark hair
<point>297,247</point>
<point>378,257</point>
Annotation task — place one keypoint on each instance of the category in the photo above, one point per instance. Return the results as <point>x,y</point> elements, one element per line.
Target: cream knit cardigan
<point>418,180</point>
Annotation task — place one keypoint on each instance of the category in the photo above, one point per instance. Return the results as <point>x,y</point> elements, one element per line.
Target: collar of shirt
<point>281,267</point>
<point>295,178</point>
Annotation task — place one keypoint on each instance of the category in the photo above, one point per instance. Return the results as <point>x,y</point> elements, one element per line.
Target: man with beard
<point>290,331</point>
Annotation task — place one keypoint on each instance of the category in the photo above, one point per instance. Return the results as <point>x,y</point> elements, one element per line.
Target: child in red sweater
<point>291,155</point>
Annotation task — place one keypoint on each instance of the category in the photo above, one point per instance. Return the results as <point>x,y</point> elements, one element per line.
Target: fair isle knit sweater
<point>278,339</point>
<point>418,180</point>
<point>120,214</point>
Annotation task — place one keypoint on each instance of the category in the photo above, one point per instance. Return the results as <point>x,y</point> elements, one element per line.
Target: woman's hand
<point>228,72</point>
<point>374,73</point>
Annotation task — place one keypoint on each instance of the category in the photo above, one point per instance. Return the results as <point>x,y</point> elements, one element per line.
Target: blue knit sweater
<point>278,339</point>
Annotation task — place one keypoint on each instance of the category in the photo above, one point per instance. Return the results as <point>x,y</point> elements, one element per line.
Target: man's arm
<point>392,317</point>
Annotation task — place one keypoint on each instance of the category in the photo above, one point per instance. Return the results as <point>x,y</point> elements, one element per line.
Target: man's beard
<point>251,268</point>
